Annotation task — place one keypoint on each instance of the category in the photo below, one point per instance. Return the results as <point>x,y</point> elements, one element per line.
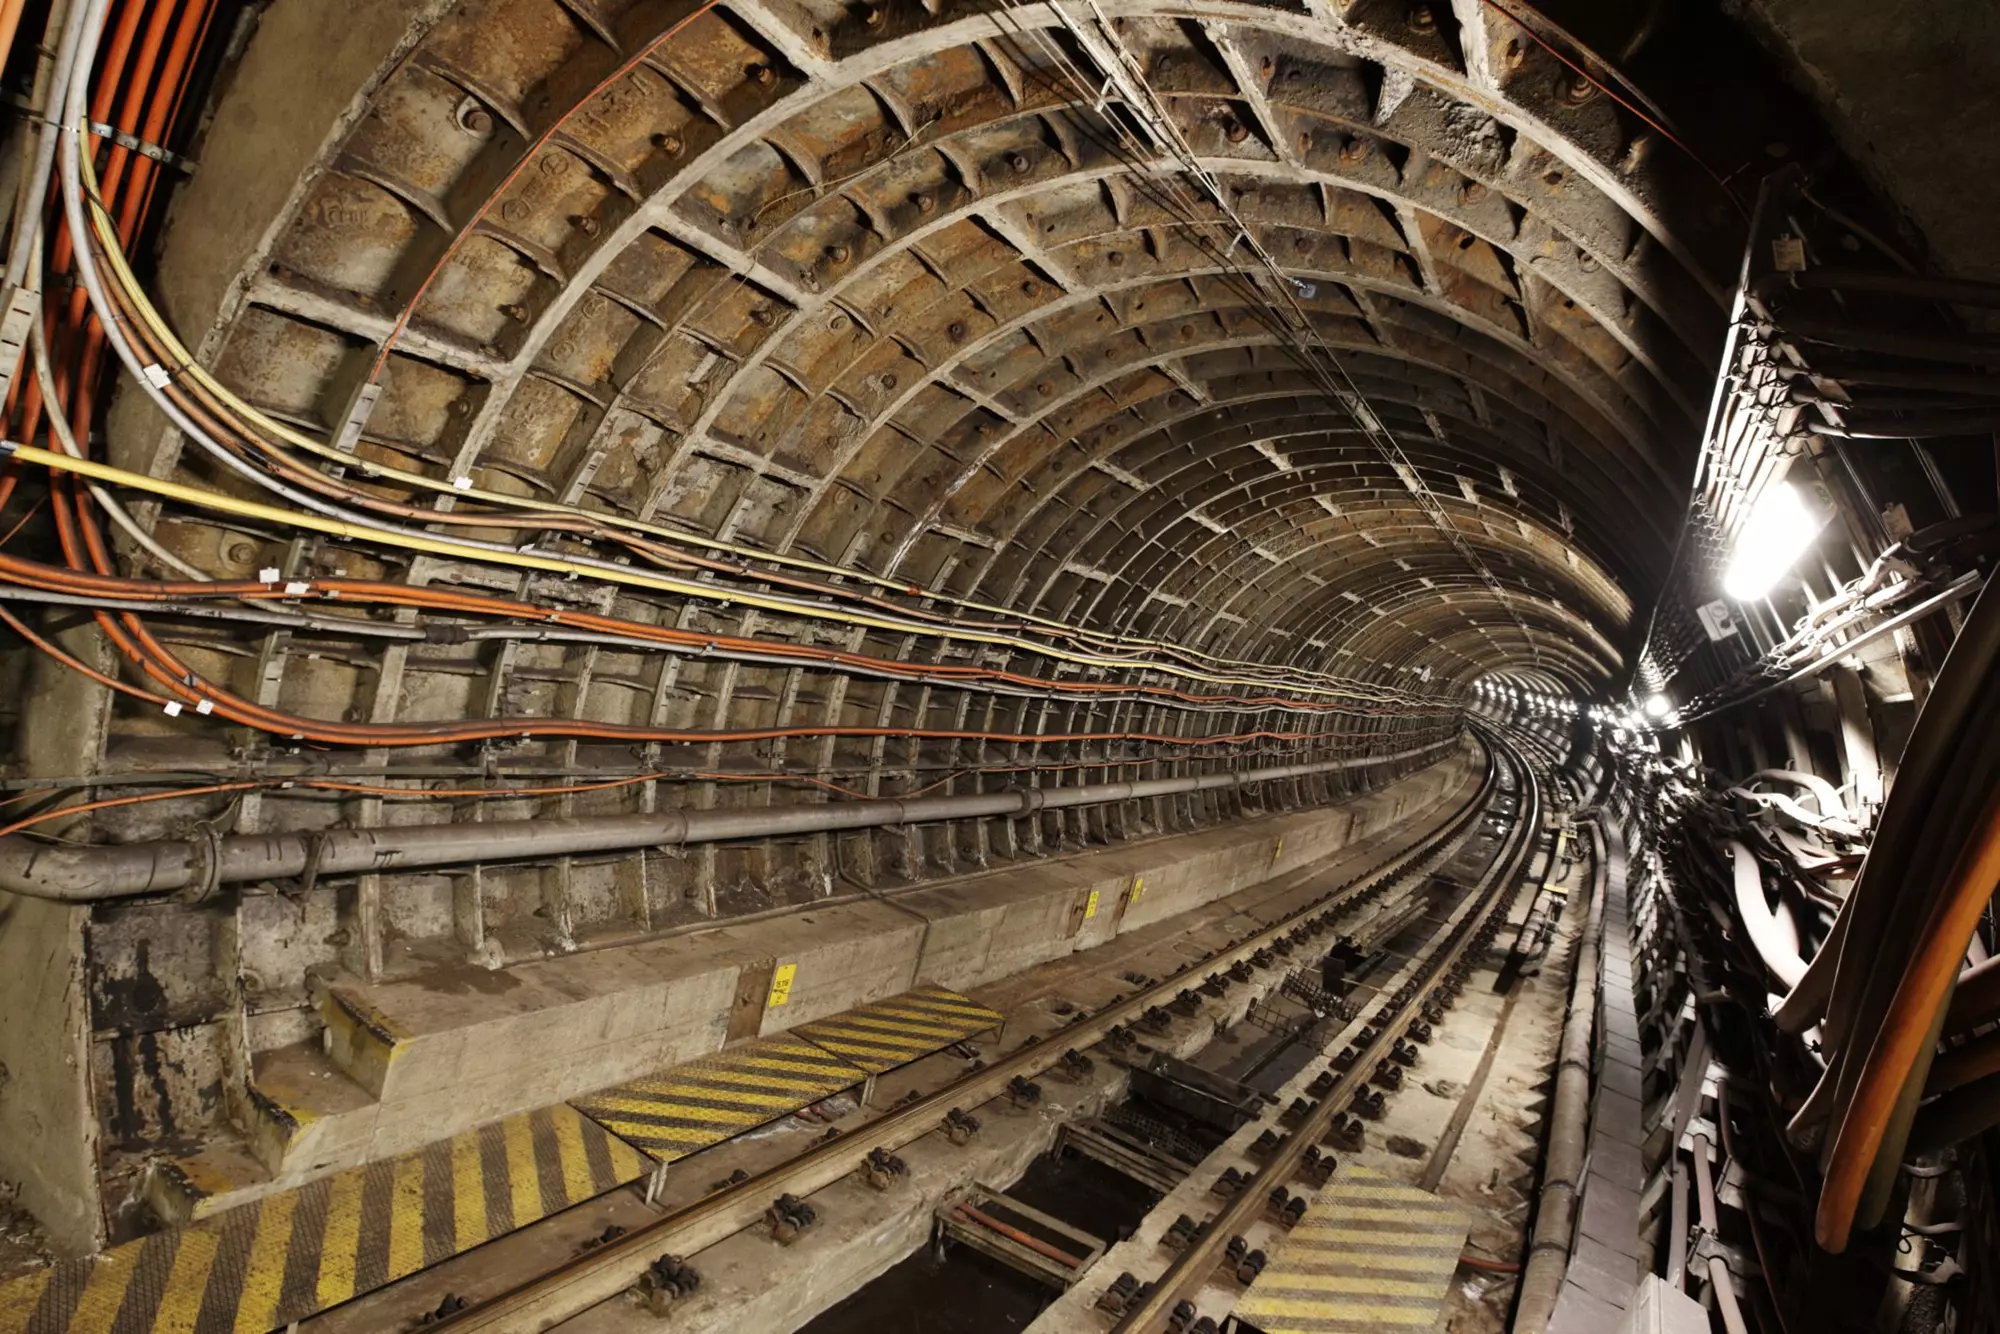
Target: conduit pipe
<point>113,871</point>
<point>1569,1125</point>
<point>1776,943</point>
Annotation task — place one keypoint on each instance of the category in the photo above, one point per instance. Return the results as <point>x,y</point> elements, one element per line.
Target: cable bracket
<point>166,157</point>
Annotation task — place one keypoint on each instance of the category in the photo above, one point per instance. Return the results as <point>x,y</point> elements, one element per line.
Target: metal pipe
<point>1569,1122</point>
<point>113,871</point>
<point>1677,1228</point>
<point>1956,291</point>
<point>1725,1296</point>
<point>544,1299</point>
<point>1859,427</point>
<point>1027,1239</point>
<point>1960,349</point>
<point>1943,381</point>
<point>1704,1185</point>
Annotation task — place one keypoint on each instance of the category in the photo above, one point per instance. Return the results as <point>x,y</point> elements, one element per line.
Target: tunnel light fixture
<point>1658,706</point>
<point>1780,528</point>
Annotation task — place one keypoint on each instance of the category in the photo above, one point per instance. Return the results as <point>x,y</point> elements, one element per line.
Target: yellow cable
<point>187,365</point>
<point>637,578</point>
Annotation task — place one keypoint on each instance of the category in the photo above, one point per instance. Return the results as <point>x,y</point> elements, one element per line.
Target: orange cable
<point>1899,1043</point>
<point>110,802</point>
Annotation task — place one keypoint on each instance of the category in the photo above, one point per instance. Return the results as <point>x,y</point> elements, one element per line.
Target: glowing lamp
<point>1781,526</point>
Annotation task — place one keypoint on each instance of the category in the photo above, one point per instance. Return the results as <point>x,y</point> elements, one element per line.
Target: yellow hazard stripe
<point>750,1090</point>
<point>940,996</point>
<point>283,1258</point>
<point>1404,1223</point>
<point>524,1185</point>
<point>468,1193</point>
<point>180,1304</point>
<point>892,1029</point>
<point>342,1235</point>
<point>1357,1315</point>
<point>104,1291</point>
<point>1392,1259</point>
<point>1290,1279</point>
<point>18,1298</point>
<point>264,1271</point>
<point>406,1217</point>
<point>1358,1190</point>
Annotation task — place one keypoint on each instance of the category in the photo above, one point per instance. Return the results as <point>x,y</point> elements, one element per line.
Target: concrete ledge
<point>463,1045</point>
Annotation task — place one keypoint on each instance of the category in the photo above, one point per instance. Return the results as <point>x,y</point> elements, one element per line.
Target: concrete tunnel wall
<point>454,1048</point>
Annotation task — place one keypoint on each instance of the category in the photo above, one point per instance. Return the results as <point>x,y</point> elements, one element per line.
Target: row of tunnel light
<point>1656,711</point>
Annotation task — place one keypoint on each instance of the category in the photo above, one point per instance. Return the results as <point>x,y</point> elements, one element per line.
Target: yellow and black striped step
<point>901,1029</point>
<point>689,1107</point>
<point>256,1268</point>
<point>1370,1255</point>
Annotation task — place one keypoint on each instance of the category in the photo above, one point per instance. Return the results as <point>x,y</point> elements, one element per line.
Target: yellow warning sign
<point>781,984</point>
<point>1275,852</point>
<point>1090,906</point>
<point>1138,888</point>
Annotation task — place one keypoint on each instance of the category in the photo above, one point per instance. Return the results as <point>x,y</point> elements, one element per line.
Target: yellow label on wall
<point>1277,850</point>
<point>1138,888</point>
<point>781,984</point>
<point>1090,906</point>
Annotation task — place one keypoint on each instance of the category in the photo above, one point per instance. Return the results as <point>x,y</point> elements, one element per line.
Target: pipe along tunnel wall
<point>382,1067</point>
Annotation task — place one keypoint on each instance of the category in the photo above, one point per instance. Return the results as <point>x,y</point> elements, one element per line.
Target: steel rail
<point>1194,1266</point>
<point>558,1294</point>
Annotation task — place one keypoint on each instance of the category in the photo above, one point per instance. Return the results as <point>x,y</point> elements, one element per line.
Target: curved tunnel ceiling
<point>911,290</point>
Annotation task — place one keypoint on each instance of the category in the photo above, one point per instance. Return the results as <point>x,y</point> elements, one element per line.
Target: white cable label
<point>156,376</point>
<point>173,708</point>
<point>297,588</point>
<point>204,707</point>
<point>268,575</point>
<point>461,483</point>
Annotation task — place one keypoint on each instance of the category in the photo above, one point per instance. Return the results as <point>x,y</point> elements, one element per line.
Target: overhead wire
<point>176,362</point>
<point>1299,329</point>
<point>180,367</point>
<point>84,205</point>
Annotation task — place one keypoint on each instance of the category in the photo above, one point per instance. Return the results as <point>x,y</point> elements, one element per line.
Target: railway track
<point>1195,1264</point>
<point>562,1291</point>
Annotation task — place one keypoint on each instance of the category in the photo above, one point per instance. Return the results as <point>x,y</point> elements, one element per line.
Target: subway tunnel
<point>871,594</point>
